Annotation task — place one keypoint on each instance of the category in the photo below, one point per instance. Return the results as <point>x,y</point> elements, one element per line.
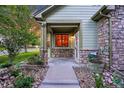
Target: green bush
<point>23,82</point>
<point>5,65</point>
<point>15,73</point>
<point>36,60</point>
<point>99,81</point>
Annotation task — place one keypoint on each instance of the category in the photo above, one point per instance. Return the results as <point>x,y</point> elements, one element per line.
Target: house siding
<point>88,33</point>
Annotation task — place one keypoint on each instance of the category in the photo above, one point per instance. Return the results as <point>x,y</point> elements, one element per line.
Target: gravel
<point>37,72</point>
<point>85,77</point>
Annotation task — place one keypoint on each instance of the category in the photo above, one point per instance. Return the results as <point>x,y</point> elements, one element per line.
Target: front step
<point>60,84</point>
<point>61,81</point>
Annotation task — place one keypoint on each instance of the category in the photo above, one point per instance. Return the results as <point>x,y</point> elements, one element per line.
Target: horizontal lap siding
<point>87,26</point>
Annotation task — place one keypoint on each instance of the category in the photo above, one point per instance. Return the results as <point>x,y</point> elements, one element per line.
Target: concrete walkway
<point>60,74</point>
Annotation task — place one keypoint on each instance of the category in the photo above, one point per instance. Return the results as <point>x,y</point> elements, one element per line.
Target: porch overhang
<point>63,28</point>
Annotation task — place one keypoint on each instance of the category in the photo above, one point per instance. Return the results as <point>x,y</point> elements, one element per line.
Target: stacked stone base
<point>44,55</point>
<point>83,54</point>
<point>58,53</point>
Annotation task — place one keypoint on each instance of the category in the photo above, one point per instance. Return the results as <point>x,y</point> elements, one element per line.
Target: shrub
<point>99,81</point>
<point>23,82</point>
<point>35,60</point>
<point>15,73</point>
<point>5,65</point>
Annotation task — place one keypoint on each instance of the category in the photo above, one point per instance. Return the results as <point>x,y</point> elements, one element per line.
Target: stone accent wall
<point>62,52</point>
<point>117,37</point>
<point>103,36</point>
<point>84,55</point>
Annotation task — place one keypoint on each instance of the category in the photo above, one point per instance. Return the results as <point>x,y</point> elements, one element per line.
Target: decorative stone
<point>109,81</point>
<point>0,86</point>
<point>62,52</point>
<point>85,77</point>
<point>107,74</point>
<point>10,86</point>
<point>117,16</point>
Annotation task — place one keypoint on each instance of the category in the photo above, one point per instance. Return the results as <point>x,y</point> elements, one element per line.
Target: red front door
<point>61,40</point>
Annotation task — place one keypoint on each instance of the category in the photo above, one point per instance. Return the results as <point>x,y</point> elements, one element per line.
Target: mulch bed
<point>85,77</point>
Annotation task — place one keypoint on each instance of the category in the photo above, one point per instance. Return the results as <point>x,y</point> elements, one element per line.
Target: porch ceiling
<point>64,28</point>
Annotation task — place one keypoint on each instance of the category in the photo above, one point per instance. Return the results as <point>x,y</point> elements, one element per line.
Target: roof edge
<point>104,9</point>
<point>43,12</point>
<point>46,11</point>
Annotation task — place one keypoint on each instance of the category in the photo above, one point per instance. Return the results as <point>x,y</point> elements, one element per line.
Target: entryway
<point>63,40</point>
<point>60,74</point>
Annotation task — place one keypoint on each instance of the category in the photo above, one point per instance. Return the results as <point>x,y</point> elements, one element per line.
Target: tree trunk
<point>25,47</point>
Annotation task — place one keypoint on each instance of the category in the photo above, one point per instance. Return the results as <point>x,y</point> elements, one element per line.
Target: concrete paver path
<point>60,74</point>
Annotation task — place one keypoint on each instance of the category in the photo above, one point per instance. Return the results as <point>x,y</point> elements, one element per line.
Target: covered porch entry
<point>63,40</point>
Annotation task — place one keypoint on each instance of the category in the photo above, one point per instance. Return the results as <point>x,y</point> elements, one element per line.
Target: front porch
<point>63,40</point>
<point>60,40</point>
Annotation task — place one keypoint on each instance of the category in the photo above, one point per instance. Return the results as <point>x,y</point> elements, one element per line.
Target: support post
<point>43,48</point>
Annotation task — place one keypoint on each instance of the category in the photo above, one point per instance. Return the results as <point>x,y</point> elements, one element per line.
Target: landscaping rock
<point>36,71</point>
<point>85,77</point>
<point>10,86</point>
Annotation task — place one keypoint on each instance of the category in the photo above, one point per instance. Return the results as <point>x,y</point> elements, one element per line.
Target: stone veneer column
<point>103,36</point>
<point>43,48</point>
<point>118,36</point>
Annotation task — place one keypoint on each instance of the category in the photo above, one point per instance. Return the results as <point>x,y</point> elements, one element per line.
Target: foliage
<point>1,48</point>
<point>5,65</point>
<point>15,22</point>
<point>99,80</point>
<point>15,72</point>
<point>35,40</point>
<point>23,82</point>
<point>29,38</point>
<point>19,58</point>
<point>35,60</point>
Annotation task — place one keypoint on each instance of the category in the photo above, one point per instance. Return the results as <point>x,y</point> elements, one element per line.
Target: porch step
<point>60,84</point>
<point>57,82</point>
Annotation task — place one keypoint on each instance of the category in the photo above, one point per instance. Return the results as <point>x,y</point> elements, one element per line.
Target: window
<point>61,40</point>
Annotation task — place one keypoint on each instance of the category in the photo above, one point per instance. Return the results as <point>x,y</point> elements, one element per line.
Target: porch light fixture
<point>72,37</point>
